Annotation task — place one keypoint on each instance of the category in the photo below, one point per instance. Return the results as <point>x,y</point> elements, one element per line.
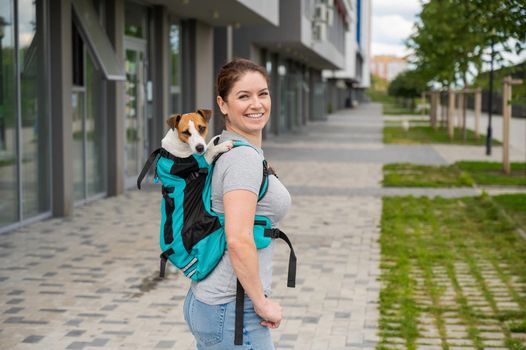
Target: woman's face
<point>247,107</point>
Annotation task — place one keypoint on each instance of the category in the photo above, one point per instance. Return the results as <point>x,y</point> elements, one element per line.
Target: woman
<point>244,100</point>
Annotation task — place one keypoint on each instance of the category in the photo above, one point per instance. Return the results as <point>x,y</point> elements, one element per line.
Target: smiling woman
<point>211,309</point>
<point>244,100</point>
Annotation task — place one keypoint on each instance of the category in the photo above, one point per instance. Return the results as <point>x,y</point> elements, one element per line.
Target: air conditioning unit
<point>320,13</point>
<point>319,31</point>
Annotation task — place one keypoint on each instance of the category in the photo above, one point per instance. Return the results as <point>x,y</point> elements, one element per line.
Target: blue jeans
<point>213,325</point>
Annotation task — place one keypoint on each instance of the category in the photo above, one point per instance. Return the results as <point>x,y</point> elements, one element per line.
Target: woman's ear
<point>222,105</point>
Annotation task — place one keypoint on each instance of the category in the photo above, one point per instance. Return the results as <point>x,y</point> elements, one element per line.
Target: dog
<point>187,134</point>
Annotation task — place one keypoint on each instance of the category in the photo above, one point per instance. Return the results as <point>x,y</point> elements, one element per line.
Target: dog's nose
<point>200,148</point>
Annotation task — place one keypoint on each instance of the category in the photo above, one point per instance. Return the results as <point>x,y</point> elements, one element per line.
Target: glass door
<point>135,109</point>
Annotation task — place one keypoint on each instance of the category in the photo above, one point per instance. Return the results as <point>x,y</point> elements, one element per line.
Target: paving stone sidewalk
<point>90,281</point>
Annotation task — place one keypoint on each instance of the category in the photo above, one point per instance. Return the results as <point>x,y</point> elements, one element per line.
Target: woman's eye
<point>243,96</point>
<point>264,93</point>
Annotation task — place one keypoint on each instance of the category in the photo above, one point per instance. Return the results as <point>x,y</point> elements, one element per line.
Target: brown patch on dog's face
<point>181,123</point>
<point>173,121</point>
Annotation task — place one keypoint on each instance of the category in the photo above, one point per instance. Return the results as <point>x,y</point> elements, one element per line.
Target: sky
<point>392,23</point>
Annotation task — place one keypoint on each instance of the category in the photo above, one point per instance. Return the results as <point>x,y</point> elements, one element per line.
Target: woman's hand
<point>270,312</point>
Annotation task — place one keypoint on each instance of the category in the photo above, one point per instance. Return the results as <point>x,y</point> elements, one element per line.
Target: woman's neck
<point>253,139</point>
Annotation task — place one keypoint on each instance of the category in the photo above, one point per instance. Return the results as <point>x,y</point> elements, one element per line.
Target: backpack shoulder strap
<point>264,181</point>
<point>151,159</point>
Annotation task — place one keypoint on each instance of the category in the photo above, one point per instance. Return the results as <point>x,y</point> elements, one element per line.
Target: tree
<point>409,85</point>
<point>453,37</point>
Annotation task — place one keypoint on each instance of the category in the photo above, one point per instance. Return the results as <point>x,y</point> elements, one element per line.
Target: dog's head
<point>192,128</point>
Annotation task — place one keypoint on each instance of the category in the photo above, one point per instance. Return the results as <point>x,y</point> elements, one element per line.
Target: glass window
<point>35,122</point>
<point>175,68</point>
<point>88,123</point>
<point>77,104</point>
<point>135,22</point>
<point>8,118</point>
<point>95,126</point>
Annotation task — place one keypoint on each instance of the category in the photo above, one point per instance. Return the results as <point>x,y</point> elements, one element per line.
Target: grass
<point>491,173</point>
<point>411,175</point>
<point>421,237</point>
<point>426,134</point>
<point>389,104</point>
<point>460,174</point>
<point>514,205</point>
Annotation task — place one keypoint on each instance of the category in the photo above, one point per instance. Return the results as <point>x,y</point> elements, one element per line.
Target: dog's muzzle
<point>200,148</point>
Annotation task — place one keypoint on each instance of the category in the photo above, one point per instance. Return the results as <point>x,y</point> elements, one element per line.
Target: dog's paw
<point>225,146</point>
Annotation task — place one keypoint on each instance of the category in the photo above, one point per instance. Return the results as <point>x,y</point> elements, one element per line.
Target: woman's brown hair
<point>231,72</point>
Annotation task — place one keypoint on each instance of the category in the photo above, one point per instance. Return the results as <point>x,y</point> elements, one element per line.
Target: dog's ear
<point>173,121</point>
<point>205,113</point>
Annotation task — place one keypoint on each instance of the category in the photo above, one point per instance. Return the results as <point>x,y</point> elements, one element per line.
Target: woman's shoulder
<point>241,155</point>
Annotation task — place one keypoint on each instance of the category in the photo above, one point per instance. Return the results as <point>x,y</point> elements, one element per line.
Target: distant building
<point>388,67</point>
<point>346,87</point>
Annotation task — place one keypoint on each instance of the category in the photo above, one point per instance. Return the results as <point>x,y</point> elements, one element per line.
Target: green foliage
<point>391,105</point>
<point>378,83</point>
<point>452,36</point>
<point>408,84</point>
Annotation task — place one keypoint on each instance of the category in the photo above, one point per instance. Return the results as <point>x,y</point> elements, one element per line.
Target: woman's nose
<point>257,102</point>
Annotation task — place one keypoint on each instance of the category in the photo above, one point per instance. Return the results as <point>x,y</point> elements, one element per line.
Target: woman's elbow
<point>238,244</point>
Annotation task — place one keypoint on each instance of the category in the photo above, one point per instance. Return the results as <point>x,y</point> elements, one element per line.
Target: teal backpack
<point>192,236</point>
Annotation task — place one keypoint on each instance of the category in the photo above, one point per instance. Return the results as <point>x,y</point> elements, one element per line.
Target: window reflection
<point>35,130</point>
<point>8,120</point>
<point>88,123</point>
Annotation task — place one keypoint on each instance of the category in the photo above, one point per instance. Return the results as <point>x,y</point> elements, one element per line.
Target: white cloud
<point>391,29</point>
<point>405,8</point>
<point>392,23</point>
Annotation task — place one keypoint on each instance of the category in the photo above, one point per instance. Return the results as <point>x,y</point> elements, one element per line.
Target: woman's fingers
<point>271,325</point>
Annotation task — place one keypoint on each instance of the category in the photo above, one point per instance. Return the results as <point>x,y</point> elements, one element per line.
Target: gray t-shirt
<point>241,168</point>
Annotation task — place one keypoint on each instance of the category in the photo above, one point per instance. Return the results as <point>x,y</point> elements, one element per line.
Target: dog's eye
<point>187,133</point>
<point>202,129</point>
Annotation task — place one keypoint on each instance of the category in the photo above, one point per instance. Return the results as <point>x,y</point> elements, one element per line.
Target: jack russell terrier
<point>187,134</point>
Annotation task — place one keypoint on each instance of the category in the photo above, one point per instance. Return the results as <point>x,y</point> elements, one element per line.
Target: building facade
<point>86,85</point>
<point>346,87</point>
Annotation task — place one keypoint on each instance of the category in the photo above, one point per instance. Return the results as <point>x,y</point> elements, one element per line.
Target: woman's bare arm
<point>240,209</point>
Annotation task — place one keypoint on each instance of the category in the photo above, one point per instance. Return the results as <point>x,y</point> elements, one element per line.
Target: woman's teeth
<point>254,115</point>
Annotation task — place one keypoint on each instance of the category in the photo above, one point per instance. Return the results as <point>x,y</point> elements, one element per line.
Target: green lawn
<point>411,175</point>
<point>460,174</point>
<point>426,134</point>
<point>490,173</point>
<point>453,263</point>
<point>390,105</point>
